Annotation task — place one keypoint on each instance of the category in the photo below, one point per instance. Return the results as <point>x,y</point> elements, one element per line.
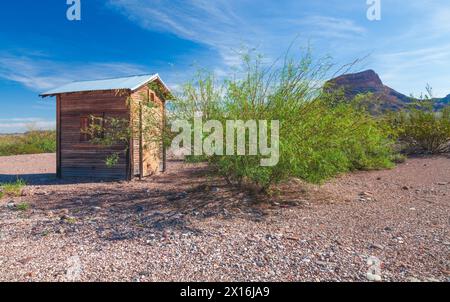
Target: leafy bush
<point>339,139</point>
<point>421,129</point>
<point>32,142</point>
<point>318,140</point>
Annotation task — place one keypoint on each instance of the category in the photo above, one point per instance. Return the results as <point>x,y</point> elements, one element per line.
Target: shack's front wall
<point>80,158</point>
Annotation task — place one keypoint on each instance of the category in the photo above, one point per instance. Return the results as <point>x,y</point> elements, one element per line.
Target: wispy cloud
<point>427,55</point>
<point>22,120</point>
<point>227,26</point>
<point>38,73</point>
<point>211,23</point>
<point>416,66</point>
<point>440,20</point>
<point>331,27</point>
<point>19,125</point>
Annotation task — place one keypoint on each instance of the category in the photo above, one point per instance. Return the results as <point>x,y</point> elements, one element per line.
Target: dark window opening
<point>86,123</point>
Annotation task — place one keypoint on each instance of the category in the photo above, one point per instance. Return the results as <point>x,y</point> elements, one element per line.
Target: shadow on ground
<point>48,179</point>
<point>32,179</point>
<point>157,206</point>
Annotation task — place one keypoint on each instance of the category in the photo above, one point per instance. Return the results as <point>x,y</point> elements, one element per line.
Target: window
<point>86,123</point>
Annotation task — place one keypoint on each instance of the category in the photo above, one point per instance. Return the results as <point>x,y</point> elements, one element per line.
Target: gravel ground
<point>185,225</point>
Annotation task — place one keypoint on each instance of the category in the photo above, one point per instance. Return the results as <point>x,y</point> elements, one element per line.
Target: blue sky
<point>40,49</point>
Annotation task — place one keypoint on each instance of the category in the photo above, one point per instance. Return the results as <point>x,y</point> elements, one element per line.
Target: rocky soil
<point>187,225</point>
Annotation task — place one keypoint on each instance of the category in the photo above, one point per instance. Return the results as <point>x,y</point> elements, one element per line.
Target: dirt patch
<point>38,168</point>
<point>187,225</point>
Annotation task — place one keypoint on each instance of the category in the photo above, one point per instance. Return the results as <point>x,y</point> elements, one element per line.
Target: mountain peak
<point>369,81</point>
<point>362,80</point>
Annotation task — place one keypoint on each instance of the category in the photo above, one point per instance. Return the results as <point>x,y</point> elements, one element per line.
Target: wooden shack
<point>118,98</point>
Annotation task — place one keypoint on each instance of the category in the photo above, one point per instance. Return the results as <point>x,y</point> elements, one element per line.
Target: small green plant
<point>112,160</point>
<point>13,188</point>
<point>23,207</point>
<point>69,219</point>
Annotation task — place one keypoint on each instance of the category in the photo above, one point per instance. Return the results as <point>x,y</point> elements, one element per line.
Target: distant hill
<point>385,97</point>
<point>441,103</point>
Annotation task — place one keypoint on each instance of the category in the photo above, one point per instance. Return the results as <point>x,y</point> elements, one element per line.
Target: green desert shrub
<point>339,139</point>
<point>421,130</point>
<point>32,142</point>
<point>317,140</point>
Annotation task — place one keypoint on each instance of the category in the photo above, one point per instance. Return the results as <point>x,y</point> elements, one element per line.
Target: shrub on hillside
<point>420,129</point>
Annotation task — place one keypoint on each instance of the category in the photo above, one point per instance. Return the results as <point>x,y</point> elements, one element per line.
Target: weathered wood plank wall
<point>83,159</point>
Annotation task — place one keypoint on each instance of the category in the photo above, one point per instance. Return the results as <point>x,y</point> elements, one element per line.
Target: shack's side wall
<point>152,152</point>
<point>83,159</point>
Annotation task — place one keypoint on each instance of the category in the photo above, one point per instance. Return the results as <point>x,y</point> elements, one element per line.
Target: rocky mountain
<point>384,98</point>
<point>441,103</point>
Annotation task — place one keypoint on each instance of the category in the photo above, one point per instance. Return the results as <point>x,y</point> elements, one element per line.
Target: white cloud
<point>25,119</point>
<point>20,125</point>
<point>38,73</point>
<point>212,23</point>
<point>331,27</point>
<point>427,55</point>
<point>228,26</point>
<point>440,20</point>
<point>418,66</point>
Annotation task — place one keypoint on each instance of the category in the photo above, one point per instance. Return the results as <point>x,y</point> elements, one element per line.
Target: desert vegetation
<point>12,189</point>
<point>32,142</point>
<point>319,138</point>
<point>421,129</point>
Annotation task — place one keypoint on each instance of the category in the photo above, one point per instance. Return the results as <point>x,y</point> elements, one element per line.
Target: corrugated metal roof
<point>132,83</point>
